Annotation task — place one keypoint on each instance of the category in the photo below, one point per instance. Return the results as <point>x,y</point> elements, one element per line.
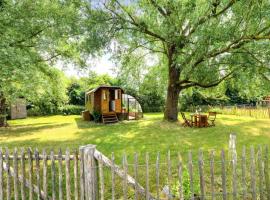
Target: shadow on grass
<point>17,131</point>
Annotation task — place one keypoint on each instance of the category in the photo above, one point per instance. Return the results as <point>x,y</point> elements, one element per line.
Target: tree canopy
<point>201,42</point>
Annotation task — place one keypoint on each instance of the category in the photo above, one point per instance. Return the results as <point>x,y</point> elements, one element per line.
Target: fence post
<point>90,172</point>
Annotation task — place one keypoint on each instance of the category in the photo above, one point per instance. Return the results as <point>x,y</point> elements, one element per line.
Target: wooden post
<point>90,172</point>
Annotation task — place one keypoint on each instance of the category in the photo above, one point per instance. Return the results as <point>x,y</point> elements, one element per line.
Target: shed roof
<point>103,86</point>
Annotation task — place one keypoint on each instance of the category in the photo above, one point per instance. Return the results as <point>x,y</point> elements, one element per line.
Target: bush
<point>71,109</point>
<point>96,115</point>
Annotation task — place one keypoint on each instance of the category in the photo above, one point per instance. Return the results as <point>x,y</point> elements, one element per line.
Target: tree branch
<point>160,9</point>
<point>212,14</point>
<point>189,84</point>
<point>133,22</point>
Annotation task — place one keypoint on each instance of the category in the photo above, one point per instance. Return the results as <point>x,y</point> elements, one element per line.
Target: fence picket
<point>101,179</point>
<point>76,192</point>
<point>202,182</point>
<point>223,176</point>
<point>157,175</point>
<point>60,174</point>
<point>113,177</point>
<point>234,171</point>
<point>212,172</point>
<point>45,184</point>
<point>67,160</point>
<point>81,174</point>
<point>30,173</point>
<point>266,168</point>
<point>261,173</point>
<point>180,177</point>
<point>257,171</point>
<point>1,175</point>
<point>53,175</point>
<point>252,174</point>
<point>190,167</point>
<point>23,174</point>
<point>136,175</point>
<point>15,166</point>
<point>147,175</point>
<point>37,173</point>
<point>169,174</point>
<point>243,163</point>
<point>125,177</point>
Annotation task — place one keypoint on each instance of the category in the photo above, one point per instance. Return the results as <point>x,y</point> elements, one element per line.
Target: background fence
<point>89,174</point>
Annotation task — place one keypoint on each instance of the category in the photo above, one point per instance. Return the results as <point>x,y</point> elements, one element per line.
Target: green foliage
<point>96,115</point>
<point>33,35</point>
<point>76,94</point>
<point>71,109</point>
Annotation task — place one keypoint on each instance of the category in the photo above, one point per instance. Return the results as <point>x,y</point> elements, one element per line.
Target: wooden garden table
<point>199,120</point>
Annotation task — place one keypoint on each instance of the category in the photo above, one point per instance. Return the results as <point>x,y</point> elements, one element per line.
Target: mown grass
<point>150,134</point>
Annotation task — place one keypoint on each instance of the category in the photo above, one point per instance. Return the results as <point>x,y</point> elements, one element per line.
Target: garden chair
<point>186,122</point>
<point>211,118</point>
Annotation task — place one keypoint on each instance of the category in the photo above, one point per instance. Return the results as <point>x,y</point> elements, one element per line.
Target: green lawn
<point>150,134</point>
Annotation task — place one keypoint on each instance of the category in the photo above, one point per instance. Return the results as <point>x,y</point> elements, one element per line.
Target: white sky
<point>100,65</point>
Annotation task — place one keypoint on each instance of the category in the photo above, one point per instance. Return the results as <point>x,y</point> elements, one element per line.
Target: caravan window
<point>104,96</point>
<point>116,94</point>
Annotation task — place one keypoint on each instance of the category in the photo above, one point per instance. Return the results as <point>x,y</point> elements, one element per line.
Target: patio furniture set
<point>199,120</point>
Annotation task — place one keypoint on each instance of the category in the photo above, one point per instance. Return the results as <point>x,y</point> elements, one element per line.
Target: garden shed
<point>112,104</point>
<point>18,109</point>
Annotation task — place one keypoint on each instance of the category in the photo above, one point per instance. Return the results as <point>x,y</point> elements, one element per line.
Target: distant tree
<point>202,43</point>
<point>76,94</point>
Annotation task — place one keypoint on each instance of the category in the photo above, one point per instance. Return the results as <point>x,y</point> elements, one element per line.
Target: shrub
<point>96,115</point>
<point>71,109</point>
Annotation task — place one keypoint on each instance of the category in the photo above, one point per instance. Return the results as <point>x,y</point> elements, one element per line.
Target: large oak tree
<point>203,42</point>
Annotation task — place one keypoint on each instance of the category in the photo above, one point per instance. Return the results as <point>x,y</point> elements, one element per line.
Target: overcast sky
<point>100,65</point>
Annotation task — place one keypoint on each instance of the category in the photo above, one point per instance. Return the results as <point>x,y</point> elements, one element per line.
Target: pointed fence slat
<point>30,173</point>
<point>37,173</point>
<point>212,172</point>
<point>81,175</point>
<point>234,171</point>
<point>266,172</point>
<point>125,177</point>
<point>190,169</point>
<point>252,174</point>
<point>147,176</point>
<point>23,174</point>
<point>1,175</point>
<point>15,166</point>
<point>180,177</point>
<point>223,176</point>
<point>53,175</point>
<point>202,182</point>
<point>45,183</point>
<point>113,177</point>
<point>67,160</point>
<point>261,173</point>
<point>76,190</point>
<point>60,174</point>
<point>243,166</point>
<point>169,174</point>
<point>136,175</point>
<point>8,175</point>
<point>157,175</point>
<point>101,179</point>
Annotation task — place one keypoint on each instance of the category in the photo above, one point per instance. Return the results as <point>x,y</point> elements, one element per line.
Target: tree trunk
<point>3,121</point>
<point>173,91</point>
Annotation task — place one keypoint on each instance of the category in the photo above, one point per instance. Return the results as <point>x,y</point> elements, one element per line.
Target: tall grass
<point>256,112</point>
